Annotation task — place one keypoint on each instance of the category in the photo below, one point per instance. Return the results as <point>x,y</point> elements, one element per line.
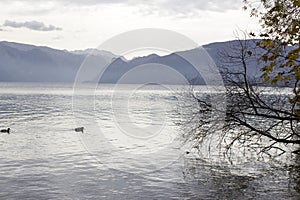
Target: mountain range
<point>29,63</point>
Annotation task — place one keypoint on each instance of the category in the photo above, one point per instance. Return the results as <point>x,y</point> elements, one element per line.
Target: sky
<point>82,24</point>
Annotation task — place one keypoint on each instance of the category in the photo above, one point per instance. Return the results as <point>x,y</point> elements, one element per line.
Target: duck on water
<point>79,129</point>
<point>5,130</point>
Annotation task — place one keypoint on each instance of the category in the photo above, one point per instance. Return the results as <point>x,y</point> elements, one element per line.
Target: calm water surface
<point>129,150</point>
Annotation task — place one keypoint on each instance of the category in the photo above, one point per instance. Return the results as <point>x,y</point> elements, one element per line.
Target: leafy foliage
<point>280,20</point>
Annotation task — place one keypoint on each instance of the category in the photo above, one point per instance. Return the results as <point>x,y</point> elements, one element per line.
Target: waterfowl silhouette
<point>5,130</point>
<point>79,129</point>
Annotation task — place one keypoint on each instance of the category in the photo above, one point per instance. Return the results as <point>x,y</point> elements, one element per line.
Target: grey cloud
<point>188,8</point>
<point>201,5</point>
<point>167,7</point>
<point>33,25</point>
<point>170,6</point>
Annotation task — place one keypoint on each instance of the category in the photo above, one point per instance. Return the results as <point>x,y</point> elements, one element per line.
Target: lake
<point>131,148</point>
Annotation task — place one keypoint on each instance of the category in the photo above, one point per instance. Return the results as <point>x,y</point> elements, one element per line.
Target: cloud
<point>33,25</point>
<point>166,7</point>
<point>175,5</point>
<point>169,6</point>
<point>187,6</point>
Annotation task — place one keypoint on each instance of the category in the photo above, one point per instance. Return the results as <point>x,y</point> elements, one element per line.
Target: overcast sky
<point>81,24</point>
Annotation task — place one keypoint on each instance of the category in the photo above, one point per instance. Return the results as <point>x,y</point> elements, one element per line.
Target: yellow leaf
<point>267,43</point>
<point>297,75</point>
<point>296,3</point>
<point>290,63</point>
<point>286,79</point>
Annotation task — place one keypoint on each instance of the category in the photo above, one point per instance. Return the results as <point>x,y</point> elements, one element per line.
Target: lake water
<point>130,149</point>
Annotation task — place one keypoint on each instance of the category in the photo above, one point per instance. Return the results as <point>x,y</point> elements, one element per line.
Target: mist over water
<point>44,158</point>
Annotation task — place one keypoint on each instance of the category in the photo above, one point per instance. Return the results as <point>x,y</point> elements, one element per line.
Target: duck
<point>5,130</point>
<point>79,129</point>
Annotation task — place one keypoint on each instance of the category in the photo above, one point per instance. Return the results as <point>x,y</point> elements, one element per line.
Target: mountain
<point>179,62</point>
<point>105,54</point>
<point>29,63</point>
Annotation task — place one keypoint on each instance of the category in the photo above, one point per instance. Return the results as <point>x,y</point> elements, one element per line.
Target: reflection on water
<point>246,181</point>
<point>43,158</point>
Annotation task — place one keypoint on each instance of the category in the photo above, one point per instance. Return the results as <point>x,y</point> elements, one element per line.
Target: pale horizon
<point>79,25</point>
